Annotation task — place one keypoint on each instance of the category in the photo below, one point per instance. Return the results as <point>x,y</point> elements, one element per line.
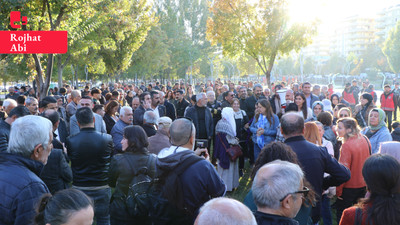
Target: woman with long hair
<point>281,151</point>
<point>225,136</point>
<point>264,126</point>
<point>65,207</point>
<point>110,116</point>
<point>336,99</point>
<point>123,167</point>
<point>241,120</point>
<point>382,177</point>
<point>311,133</point>
<point>363,109</point>
<point>353,153</point>
<point>377,132</point>
<point>300,101</point>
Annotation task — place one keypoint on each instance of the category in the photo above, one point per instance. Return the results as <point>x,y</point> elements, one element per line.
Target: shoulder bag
<point>234,151</point>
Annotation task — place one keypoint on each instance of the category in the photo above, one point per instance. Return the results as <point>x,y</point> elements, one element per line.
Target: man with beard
<point>242,98</point>
<point>251,101</point>
<point>158,109</point>
<point>33,105</point>
<point>180,103</point>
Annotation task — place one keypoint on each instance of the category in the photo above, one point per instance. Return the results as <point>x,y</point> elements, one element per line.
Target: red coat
<point>387,102</point>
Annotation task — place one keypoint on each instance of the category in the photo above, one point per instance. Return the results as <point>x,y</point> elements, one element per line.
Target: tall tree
<point>392,49</point>
<point>259,29</point>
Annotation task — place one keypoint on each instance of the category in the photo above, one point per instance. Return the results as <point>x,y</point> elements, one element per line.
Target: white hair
<point>123,110</point>
<point>225,86</point>
<point>150,117</point>
<point>211,92</point>
<point>285,179</point>
<point>164,122</point>
<point>221,211</point>
<point>162,94</point>
<point>200,96</point>
<point>30,100</point>
<point>8,102</point>
<point>27,132</point>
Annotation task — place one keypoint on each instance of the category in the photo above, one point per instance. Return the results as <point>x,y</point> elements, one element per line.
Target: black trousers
<point>395,112</point>
<point>389,119</point>
<point>349,197</point>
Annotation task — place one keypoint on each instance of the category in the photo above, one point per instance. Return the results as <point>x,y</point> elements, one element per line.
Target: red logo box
<point>29,42</point>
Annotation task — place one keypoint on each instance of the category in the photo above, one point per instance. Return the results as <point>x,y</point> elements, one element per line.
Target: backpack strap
<point>369,145</point>
<point>358,217</point>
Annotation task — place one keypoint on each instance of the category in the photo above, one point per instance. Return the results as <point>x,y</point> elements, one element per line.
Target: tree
<point>259,29</point>
<point>391,49</point>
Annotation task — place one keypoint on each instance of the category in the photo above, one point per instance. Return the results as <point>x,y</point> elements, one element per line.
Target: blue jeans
<point>101,200</point>
<point>257,151</point>
<point>326,210</point>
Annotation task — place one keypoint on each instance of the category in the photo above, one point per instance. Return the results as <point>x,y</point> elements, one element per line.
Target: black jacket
<point>4,135</point>
<point>181,107</point>
<point>269,219</point>
<point>170,110</point>
<point>139,113</point>
<point>56,174</point>
<point>149,129</point>
<point>90,153</point>
<point>191,112</point>
<point>315,160</point>
<point>251,105</point>
<point>110,122</point>
<point>396,134</point>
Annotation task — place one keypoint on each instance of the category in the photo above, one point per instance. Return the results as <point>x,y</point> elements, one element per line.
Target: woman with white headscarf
<point>225,137</point>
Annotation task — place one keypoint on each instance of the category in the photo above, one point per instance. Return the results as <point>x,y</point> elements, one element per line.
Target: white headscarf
<point>228,114</point>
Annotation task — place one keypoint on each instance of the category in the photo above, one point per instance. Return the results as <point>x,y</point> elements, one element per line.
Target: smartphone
<point>201,143</point>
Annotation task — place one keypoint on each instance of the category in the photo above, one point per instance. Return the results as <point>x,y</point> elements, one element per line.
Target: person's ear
<point>35,153</point>
<point>287,202</point>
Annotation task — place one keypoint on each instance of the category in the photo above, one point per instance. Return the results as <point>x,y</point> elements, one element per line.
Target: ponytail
<point>39,218</point>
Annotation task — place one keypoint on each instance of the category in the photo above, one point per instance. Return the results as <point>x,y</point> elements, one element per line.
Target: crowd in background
<point>299,139</point>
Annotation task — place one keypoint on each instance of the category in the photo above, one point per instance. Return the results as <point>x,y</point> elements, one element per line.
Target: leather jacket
<point>90,155</point>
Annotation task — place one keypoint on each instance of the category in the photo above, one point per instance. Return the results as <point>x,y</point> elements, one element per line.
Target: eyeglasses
<point>344,115</point>
<point>304,192</point>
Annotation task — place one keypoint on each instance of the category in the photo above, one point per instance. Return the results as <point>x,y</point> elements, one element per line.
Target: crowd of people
<point>71,157</point>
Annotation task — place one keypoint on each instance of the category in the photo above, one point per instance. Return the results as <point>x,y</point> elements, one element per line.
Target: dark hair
<point>97,107</point>
<point>270,115</point>
<point>290,126</point>
<point>110,105</point>
<point>57,209</point>
<point>381,173</point>
<point>47,100</point>
<point>108,96</point>
<point>172,95</point>
<point>292,107</point>
<point>115,93</point>
<point>142,96</point>
<point>95,91</point>
<point>87,97</point>
<point>54,117</point>
<point>304,106</point>
<point>152,93</point>
<point>395,124</point>
<point>308,83</point>
<point>281,151</point>
<point>21,100</point>
<point>63,90</point>
<point>337,96</point>
<point>137,139</point>
<point>325,118</point>
<point>84,116</point>
<point>19,111</point>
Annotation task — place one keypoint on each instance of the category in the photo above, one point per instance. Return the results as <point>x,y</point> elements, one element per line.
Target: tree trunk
<point>60,69</point>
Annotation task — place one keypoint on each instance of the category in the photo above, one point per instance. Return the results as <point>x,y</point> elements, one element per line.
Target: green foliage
<point>258,29</point>
<point>391,49</point>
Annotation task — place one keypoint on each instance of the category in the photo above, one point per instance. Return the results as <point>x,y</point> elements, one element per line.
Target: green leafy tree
<point>260,30</point>
<point>391,49</point>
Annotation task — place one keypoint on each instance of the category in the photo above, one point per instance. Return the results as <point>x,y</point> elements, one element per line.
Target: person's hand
<point>147,105</point>
<point>246,126</point>
<point>260,131</point>
<point>64,148</point>
<point>203,153</point>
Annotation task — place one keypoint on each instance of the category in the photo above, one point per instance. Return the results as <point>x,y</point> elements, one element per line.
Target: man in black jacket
<point>5,125</point>
<point>145,105</point>
<point>180,104</point>
<point>169,107</point>
<point>314,160</point>
<point>252,100</point>
<point>90,154</point>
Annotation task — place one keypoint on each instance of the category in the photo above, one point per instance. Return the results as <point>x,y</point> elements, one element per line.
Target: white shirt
<point>171,150</point>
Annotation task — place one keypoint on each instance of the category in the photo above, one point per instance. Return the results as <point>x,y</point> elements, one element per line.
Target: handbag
<point>234,151</point>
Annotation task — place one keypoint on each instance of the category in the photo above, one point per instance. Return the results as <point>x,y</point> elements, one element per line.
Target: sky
<point>331,11</point>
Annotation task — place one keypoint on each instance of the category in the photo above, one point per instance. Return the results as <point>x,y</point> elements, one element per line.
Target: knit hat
<point>367,96</point>
<point>381,123</point>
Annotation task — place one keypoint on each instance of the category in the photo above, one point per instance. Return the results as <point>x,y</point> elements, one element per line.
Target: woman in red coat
<point>382,176</point>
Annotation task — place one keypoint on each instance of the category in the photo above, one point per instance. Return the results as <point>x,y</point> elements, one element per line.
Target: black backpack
<point>159,200</point>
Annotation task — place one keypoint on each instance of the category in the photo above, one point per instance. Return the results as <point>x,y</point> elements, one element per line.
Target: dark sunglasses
<point>305,192</point>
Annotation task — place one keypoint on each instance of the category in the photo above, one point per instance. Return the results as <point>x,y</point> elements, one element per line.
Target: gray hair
<point>123,110</point>
<point>180,131</point>
<point>75,93</point>
<point>164,122</point>
<point>220,211</point>
<point>225,86</point>
<point>162,94</point>
<point>30,100</point>
<point>8,102</point>
<point>150,117</point>
<point>257,85</point>
<point>284,178</point>
<point>27,132</point>
<point>200,95</point>
<point>211,92</point>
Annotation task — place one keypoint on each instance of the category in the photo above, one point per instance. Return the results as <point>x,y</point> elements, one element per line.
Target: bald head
<point>225,211</point>
<point>292,124</point>
<point>180,131</point>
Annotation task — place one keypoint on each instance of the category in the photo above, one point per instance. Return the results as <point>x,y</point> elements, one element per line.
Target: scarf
<point>381,123</point>
<point>313,106</point>
<point>260,123</point>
